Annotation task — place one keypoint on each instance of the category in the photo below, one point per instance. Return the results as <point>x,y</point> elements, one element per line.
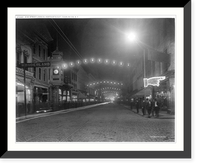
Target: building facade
<point>159,61</point>
<point>32,47</point>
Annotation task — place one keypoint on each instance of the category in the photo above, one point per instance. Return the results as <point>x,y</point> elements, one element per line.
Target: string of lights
<point>66,39</point>
<point>105,82</point>
<point>98,61</point>
<point>108,88</point>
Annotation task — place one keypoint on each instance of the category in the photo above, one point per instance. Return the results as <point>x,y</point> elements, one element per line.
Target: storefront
<point>165,92</point>
<point>161,88</point>
<point>20,102</point>
<point>40,98</point>
<point>74,96</point>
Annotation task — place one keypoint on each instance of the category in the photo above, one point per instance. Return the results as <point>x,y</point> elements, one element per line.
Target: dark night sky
<point>100,38</point>
<point>103,38</point>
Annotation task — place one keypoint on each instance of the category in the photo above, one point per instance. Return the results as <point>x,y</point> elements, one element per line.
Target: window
<point>39,51</point>
<point>64,95</point>
<point>72,76</point>
<point>34,48</point>
<point>44,56</point>
<point>44,74</point>
<point>49,72</point>
<point>60,94</point>
<point>34,72</point>
<point>40,72</point>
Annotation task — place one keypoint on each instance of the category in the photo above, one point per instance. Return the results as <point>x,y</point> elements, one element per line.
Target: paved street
<point>105,123</point>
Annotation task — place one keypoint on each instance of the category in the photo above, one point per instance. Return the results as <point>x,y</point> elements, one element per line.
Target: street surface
<point>105,123</point>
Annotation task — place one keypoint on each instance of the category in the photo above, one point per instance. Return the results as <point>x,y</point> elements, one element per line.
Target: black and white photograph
<point>95,80</point>
<point>99,83</point>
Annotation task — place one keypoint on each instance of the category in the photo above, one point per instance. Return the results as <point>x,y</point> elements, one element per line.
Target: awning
<point>144,92</point>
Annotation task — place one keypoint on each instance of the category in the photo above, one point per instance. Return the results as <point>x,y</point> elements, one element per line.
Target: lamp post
<point>131,36</point>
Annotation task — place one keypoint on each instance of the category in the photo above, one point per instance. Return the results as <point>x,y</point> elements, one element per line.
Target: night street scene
<point>95,80</point>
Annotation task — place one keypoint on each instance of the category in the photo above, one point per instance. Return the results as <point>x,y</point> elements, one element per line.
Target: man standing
<point>143,106</point>
<point>149,107</point>
<point>157,107</point>
<point>137,105</point>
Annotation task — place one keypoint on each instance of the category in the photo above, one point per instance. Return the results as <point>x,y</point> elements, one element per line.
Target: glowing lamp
<point>106,61</point>
<point>131,37</point>
<point>92,60</point>
<point>114,62</point>
<point>65,66</point>
<point>99,60</point>
<point>85,61</point>
<point>71,64</point>
<point>121,64</point>
<point>78,62</point>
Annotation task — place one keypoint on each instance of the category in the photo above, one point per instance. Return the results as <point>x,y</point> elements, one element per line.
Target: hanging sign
<point>154,81</point>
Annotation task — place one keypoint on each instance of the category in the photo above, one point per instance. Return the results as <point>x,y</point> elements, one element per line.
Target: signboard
<point>38,64</point>
<point>154,81</point>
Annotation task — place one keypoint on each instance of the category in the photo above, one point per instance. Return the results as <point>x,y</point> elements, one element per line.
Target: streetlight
<point>132,37</point>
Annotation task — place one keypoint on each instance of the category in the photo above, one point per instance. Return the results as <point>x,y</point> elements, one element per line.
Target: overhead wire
<point>66,39</point>
<point>62,34</point>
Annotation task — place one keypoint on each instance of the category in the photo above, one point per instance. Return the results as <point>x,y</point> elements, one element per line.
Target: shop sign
<point>38,64</point>
<point>154,81</point>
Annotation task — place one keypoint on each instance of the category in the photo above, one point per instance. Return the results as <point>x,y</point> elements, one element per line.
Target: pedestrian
<point>143,106</point>
<point>157,107</point>
<point>137,105</point>
<point>148,107</point>
<point>153,107</point>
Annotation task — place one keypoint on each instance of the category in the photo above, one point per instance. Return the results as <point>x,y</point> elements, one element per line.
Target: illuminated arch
<point>105,82</point>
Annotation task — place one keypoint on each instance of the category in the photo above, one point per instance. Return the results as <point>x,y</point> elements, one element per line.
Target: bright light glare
<point>131,36</point>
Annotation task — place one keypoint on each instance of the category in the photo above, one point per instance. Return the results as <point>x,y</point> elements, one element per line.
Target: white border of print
<point>176,13</point>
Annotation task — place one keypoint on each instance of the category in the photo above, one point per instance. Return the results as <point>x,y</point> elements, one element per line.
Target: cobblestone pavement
<point>106,123</point>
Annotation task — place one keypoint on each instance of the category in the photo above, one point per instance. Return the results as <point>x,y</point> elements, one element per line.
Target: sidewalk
<point>162,114</point>
<point>34,116</point>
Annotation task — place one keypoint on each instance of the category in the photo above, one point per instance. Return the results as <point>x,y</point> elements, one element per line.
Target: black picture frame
<point>186,153</point>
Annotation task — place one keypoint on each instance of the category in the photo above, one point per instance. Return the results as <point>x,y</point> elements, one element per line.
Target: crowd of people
<point>147,106</point>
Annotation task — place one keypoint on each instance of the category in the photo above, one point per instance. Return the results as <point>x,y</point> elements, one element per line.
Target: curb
<point>35,116</point>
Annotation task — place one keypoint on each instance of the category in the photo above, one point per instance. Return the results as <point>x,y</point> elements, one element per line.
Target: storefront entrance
<point>40,99</point>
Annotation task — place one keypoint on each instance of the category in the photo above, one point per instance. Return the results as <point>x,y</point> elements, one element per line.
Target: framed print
<point>99,82</point>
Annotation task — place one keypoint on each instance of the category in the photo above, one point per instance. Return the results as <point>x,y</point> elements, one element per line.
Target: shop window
<point>64,95</point>
<point>20,94</point>
<point>60,94</point>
